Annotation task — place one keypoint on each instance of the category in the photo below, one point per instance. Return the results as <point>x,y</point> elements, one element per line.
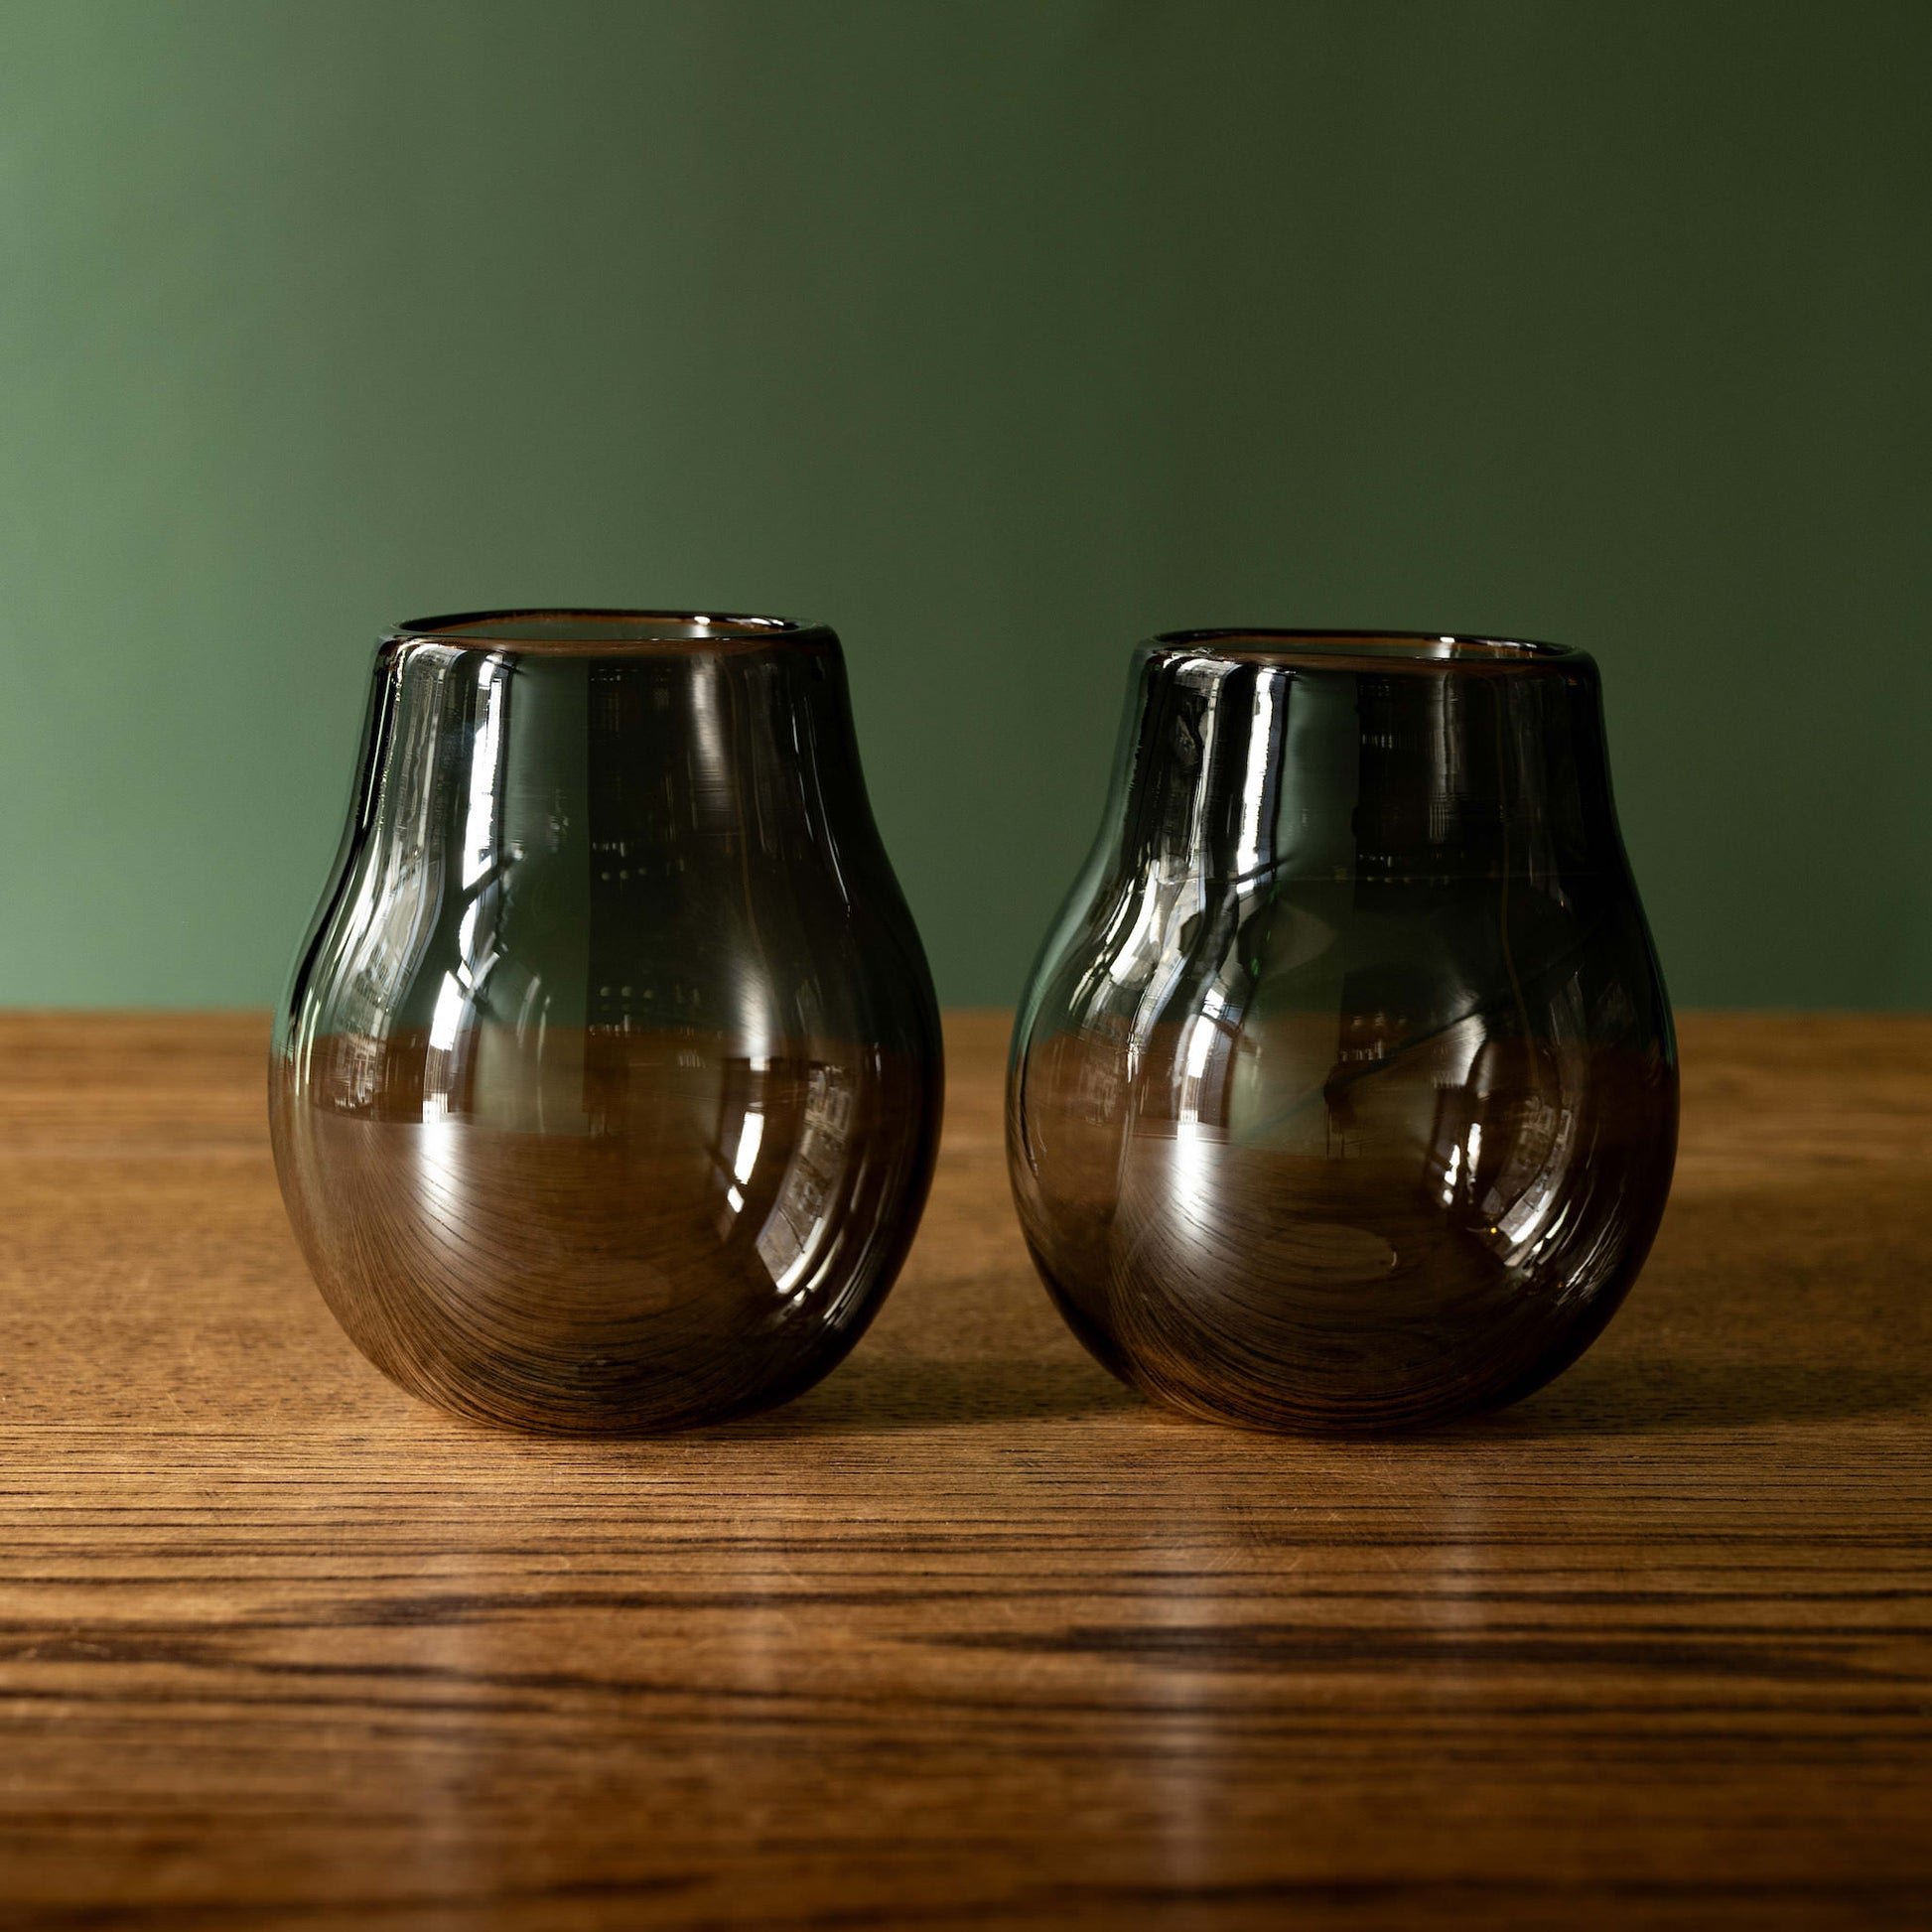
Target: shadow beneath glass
<point>1609,1396</point>
<point>1606,1397</point>
<point>881,1391</point>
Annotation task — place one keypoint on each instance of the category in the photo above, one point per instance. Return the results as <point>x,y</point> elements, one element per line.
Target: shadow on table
<point>1604,1397</point>
<point>1623,1395</point>
<point>877,1390</point>
<point>1806,1305</point>
<point>1611,1396</point>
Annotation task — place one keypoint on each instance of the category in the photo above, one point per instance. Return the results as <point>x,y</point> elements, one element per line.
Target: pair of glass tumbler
<point>606,1090</point>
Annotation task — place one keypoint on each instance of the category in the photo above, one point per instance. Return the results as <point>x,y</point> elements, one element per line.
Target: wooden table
<point>969,1635</point>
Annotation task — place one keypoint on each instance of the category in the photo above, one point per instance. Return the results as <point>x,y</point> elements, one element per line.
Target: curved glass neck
<point>1248,765</point>
<point>657,746</point>
<point>547,811</point>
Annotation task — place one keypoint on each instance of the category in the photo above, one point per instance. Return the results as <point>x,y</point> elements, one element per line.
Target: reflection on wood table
<point>968,1635</point>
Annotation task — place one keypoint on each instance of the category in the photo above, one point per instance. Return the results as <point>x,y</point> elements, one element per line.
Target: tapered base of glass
<point>710,1240</point>
<point>1385,1279</point>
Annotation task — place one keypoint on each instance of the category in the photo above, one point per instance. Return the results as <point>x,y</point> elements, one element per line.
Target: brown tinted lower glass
<point>606,1093</point>
<point>1344,1093</point>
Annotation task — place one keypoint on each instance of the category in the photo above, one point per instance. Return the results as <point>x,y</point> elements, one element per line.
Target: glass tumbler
<point>605,1091</point>
<point>1344,1092</point>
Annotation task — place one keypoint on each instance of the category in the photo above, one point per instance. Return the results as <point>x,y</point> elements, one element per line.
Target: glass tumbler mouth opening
<point>1365,649</point>
<point>602,631</point>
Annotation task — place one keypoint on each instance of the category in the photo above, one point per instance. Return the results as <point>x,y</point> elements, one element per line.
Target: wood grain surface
<point>969,1635</point>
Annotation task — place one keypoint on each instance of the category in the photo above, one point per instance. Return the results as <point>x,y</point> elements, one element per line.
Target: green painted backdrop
<point>999,335</point>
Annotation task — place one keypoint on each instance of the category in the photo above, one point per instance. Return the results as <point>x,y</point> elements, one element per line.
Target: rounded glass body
<point>1344,1092</point>
<point>605,1091</point>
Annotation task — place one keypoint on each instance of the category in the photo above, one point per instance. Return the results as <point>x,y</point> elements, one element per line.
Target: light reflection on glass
<point>606,1093</point>
<point>1344,1093</point>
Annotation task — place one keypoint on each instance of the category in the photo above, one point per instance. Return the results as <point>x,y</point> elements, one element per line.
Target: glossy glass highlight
<point>1344,1092</point>
<point>606,1092</point>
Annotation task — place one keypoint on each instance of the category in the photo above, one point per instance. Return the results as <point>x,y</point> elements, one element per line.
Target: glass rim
<point>1442,650</point>
<point>596,631</point>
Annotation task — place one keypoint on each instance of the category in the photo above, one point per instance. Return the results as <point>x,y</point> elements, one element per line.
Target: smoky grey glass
<point>605,1090</point>
<point>1344,1092</point>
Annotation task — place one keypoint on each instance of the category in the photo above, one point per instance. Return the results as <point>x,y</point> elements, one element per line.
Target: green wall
<point>997,336</point>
